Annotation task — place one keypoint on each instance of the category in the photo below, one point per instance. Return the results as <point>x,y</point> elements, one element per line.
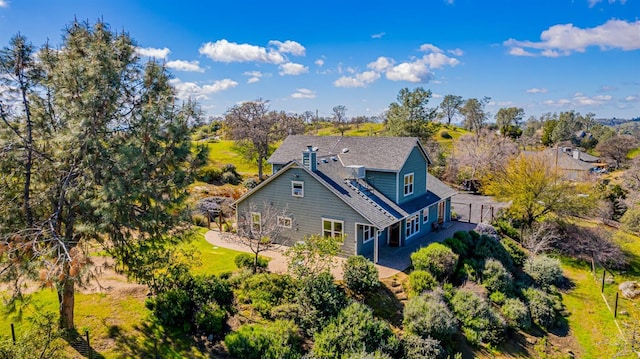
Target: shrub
<point>541,307</point>
<point>498,298</point>
<point>428,316</point>
<point>245,260</point>
<point>545,271</point>
<point>278,340</point>
<point>496,278</point>
<point>364,355</point>
<point>230,178</point>
<point>503,226</point>
<point>517,253</point>
<point>173,308</point>
<point>466,238</point>
<point>458,246</point>
<point>360,275</point>
<point>250,183</point>
<point>631,220</point>
<point>209,174</point>
<point>436,258</point>
<point>286,311</point>
<point>488,247</point>
<point>416,347</point>
<point>516,314</point>
<point>266,290</point>
<point>320,299</point>
<point>421,281</point>
<point>210,319</point>
<point>207,288</point>
<point>487,230</point>
<point>480,324</point>
<point>445,135</point>
<point>353,330</point>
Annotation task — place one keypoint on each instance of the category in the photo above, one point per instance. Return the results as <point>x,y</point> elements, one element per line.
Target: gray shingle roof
<point>380,153</point>
<point>565,160</point>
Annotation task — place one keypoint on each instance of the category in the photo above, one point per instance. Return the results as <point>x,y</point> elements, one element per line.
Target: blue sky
<point>543,56</point>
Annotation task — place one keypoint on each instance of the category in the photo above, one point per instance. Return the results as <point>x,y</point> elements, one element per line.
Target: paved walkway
<point>391,261</point>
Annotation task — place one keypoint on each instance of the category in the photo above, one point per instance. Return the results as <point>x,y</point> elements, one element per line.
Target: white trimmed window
<point>367,232</point>
<point>412,225</point>
<point>256,222</point>
<point>297,188</point>
<point>332,228</point>
<point>425,215</point>
<point>284,222</point>
<point>408,184</point>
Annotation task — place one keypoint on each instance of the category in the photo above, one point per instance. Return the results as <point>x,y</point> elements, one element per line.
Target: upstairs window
<point>408,184</point>
<point>297,189</point>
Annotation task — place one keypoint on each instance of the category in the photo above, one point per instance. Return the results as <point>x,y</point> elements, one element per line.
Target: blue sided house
<point>372,192</point>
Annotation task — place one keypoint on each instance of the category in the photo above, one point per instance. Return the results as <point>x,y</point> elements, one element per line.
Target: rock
<point>609,280</point>
<point>531,340</point>
<point>630,289</point>
<point>210,337</point>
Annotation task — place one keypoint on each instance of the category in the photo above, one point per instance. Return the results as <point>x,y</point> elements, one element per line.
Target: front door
<point>394,235</point>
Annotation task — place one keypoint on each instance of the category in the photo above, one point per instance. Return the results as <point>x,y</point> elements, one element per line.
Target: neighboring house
<point>373,192</point>
<point>573,164</point>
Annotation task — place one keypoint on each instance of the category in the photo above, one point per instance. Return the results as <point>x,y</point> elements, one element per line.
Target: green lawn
<point>634,153</point>
<point>213,260</point>
<point>223,152</point>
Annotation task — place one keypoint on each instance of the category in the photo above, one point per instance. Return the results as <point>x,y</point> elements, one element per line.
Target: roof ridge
<point>364,195</point>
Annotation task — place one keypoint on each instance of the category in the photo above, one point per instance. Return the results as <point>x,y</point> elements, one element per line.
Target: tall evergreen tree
<point>98,150</point>
<point>410,116</point>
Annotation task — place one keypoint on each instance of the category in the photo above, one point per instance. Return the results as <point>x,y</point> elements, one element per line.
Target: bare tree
<point>340,118</point>
<point>616,148</point>
<point>477,156</point>
<point>541,238</point>
<point>251,123</point>
<point>260,228</point>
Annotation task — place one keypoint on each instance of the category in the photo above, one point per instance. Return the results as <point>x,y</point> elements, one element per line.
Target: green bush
<point>421,281</point>
<point>518,254</point>
<point>245,260</point>
<point>230,178</point>
<point>210,319</point>
<point>277,340</point>
<point>466,238</point>
<point>427,315</point>
<point>516,313</point>
<point>488,247</point>
<point>320,299</point>
<point>436,258</point>
<point>250,183</point>
<point>286,311</point>
<point>173,308</point>
<point>266,290</point>
<point>445,135</point>
<point>207,288</point>
<point>416,347</point>
<point>545,271</point>
<point>480,324</point>
<point>503,226</point>
<point>541,307</point>
<point>497,298</point>
<point>355,329</point>
<point>209,174</point>
<point>360,275</point>
<point>364,355</point>
<point>496,278</point>
<point>458,246</point>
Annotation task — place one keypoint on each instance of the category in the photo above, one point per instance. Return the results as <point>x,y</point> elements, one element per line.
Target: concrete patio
<point>391,260</point>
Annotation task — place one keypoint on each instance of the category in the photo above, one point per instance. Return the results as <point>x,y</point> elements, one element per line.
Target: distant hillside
<point>616,121</point>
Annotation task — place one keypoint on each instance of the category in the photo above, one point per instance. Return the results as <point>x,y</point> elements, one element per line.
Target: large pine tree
<point>93,147</point>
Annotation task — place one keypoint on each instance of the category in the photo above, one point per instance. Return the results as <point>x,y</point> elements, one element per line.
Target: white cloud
<point>438,60</point>
<point>606,88</point>
<point>580,99</point>
<point>456,52</point>
<point>564,39</point>
<point>254,76</point>
<point>288,47</point>
<point>537,90</point>
<point>186,90</point>
<point>632,99</point>
<point>436,95</point>
<point>4,3</point>
<point>359,80</point>
<point>303,93</point>
<point>429,48</point>
<point>152,52</point>
<point>409,71</point>
<point>593,3</point>
<point>181,65</point>
<point>449,2</point>
<point>518,51</point>
<point>378,36</point>
<point>293,69</point>
<point>319,62</point>
<point>225,51</point>
<point>381,64</point>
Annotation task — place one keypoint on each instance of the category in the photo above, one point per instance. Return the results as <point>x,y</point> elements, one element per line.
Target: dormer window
<point>408,184</point>
<point>297,189</point>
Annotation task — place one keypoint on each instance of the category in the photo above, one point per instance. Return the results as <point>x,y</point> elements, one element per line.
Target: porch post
<point>375,246</point>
